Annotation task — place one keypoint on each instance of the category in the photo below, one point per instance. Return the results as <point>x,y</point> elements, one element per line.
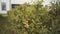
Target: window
<point>15,5</point>
<point>3,5</point>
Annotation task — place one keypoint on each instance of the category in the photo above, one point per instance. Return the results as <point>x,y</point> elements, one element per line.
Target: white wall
<point>20,1</point>
<point>8,6</point>
<point>0,5</point>
<point>46,2</point>
<point>17,1</point>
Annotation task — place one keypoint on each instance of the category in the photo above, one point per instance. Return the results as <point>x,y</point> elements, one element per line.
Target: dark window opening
<point>15,5</point>
<point>3,5</point>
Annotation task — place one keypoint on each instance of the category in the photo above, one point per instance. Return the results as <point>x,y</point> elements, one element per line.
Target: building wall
<point>0,5</point>
<point>8,6</point>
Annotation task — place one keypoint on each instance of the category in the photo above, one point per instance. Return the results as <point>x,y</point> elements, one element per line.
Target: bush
<point>29,19</point>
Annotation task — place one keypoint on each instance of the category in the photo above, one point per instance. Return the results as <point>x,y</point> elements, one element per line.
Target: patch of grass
<point>3,24</point>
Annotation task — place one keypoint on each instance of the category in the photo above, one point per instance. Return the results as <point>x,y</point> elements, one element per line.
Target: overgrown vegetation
<point>3,24</point>
<point>32,19</point>
<point>29,19</point>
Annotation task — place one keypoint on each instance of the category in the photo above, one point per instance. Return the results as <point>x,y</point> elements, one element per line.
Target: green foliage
<point>55,17</point>
<point>29,19</point>
<point>3,24</point>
